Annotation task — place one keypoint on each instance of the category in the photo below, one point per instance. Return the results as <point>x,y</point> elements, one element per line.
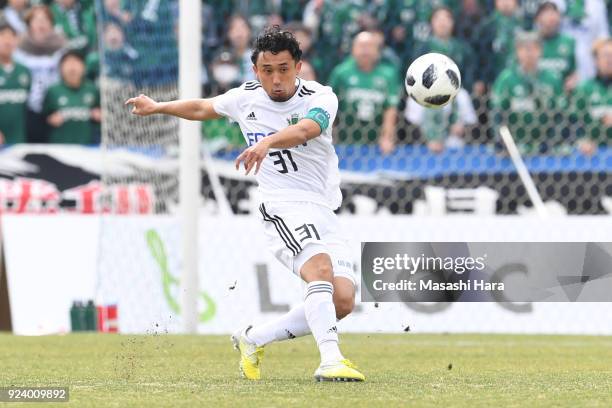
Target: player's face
<point>277,74</point>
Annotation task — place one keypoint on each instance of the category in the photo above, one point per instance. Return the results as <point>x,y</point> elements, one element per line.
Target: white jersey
<point>307,172</point>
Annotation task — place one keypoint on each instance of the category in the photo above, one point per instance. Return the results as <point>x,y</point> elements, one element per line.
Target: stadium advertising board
<point>133,261</point>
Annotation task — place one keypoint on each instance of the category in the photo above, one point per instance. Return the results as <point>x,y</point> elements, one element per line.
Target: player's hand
<point>253,156</point>
<point>143,105</point>
<point>1,138</point>
<point>56,119</point>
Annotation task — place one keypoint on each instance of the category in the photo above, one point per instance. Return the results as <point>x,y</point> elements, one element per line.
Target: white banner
<point>53,260</point>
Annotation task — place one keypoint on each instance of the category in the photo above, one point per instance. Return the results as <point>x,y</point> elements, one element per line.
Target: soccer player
<point>286,122</point>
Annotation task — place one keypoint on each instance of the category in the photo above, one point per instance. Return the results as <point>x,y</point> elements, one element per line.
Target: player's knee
<point>324,272</point>
<point>344,306</point>
<point>318,268</point>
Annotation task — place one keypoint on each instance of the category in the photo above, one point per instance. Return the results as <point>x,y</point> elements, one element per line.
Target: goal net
<point>139,232</point>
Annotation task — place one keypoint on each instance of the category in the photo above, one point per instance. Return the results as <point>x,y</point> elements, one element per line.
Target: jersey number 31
<point>280,161</point>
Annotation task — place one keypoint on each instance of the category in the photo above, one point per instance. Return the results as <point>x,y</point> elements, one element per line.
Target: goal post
<point>190,74</point>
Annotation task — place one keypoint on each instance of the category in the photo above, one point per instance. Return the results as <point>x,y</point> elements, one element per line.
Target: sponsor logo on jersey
<point>251,116</point>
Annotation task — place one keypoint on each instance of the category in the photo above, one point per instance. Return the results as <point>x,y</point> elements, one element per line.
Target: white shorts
<point>298,230</point>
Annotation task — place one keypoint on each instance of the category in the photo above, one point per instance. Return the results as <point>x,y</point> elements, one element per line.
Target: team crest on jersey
<point>62,100</point>
<point>2,81</point>
<point>293,119</point>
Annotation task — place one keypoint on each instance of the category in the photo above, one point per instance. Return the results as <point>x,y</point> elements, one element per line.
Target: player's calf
<point>344,297</point>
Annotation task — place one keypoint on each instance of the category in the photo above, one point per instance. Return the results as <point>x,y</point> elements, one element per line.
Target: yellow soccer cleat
<point>342,370</point>
<point>250,355</point>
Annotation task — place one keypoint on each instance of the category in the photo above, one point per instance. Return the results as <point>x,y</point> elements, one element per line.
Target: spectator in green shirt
<point>558,50</point>
<point>368,94</point>
<point>495,40</point>
<point>15,83</point>
<point>72,104</point>
<point>76,22</point>
<point>593,102</point>
<point>527,99</point>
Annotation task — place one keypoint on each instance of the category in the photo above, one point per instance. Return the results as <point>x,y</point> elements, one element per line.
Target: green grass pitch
<point>401,370</point>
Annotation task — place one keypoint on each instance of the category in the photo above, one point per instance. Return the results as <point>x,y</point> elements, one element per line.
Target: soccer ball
<point>433,80</point>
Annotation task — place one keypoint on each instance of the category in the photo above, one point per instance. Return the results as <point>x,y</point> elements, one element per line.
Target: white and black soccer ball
<point>433,80</point>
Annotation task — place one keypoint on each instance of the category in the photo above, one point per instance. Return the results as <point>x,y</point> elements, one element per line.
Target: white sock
<point>289,326</point>
<point>321,317</point>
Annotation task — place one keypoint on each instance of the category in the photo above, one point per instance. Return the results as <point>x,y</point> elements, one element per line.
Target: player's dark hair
<point>275,40</point>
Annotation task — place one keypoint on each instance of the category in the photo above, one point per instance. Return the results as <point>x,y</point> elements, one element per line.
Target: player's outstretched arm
<point>191,109</point>
<point>290,136</point>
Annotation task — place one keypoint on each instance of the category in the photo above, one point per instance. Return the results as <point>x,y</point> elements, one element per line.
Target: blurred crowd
<point>541,67</point>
